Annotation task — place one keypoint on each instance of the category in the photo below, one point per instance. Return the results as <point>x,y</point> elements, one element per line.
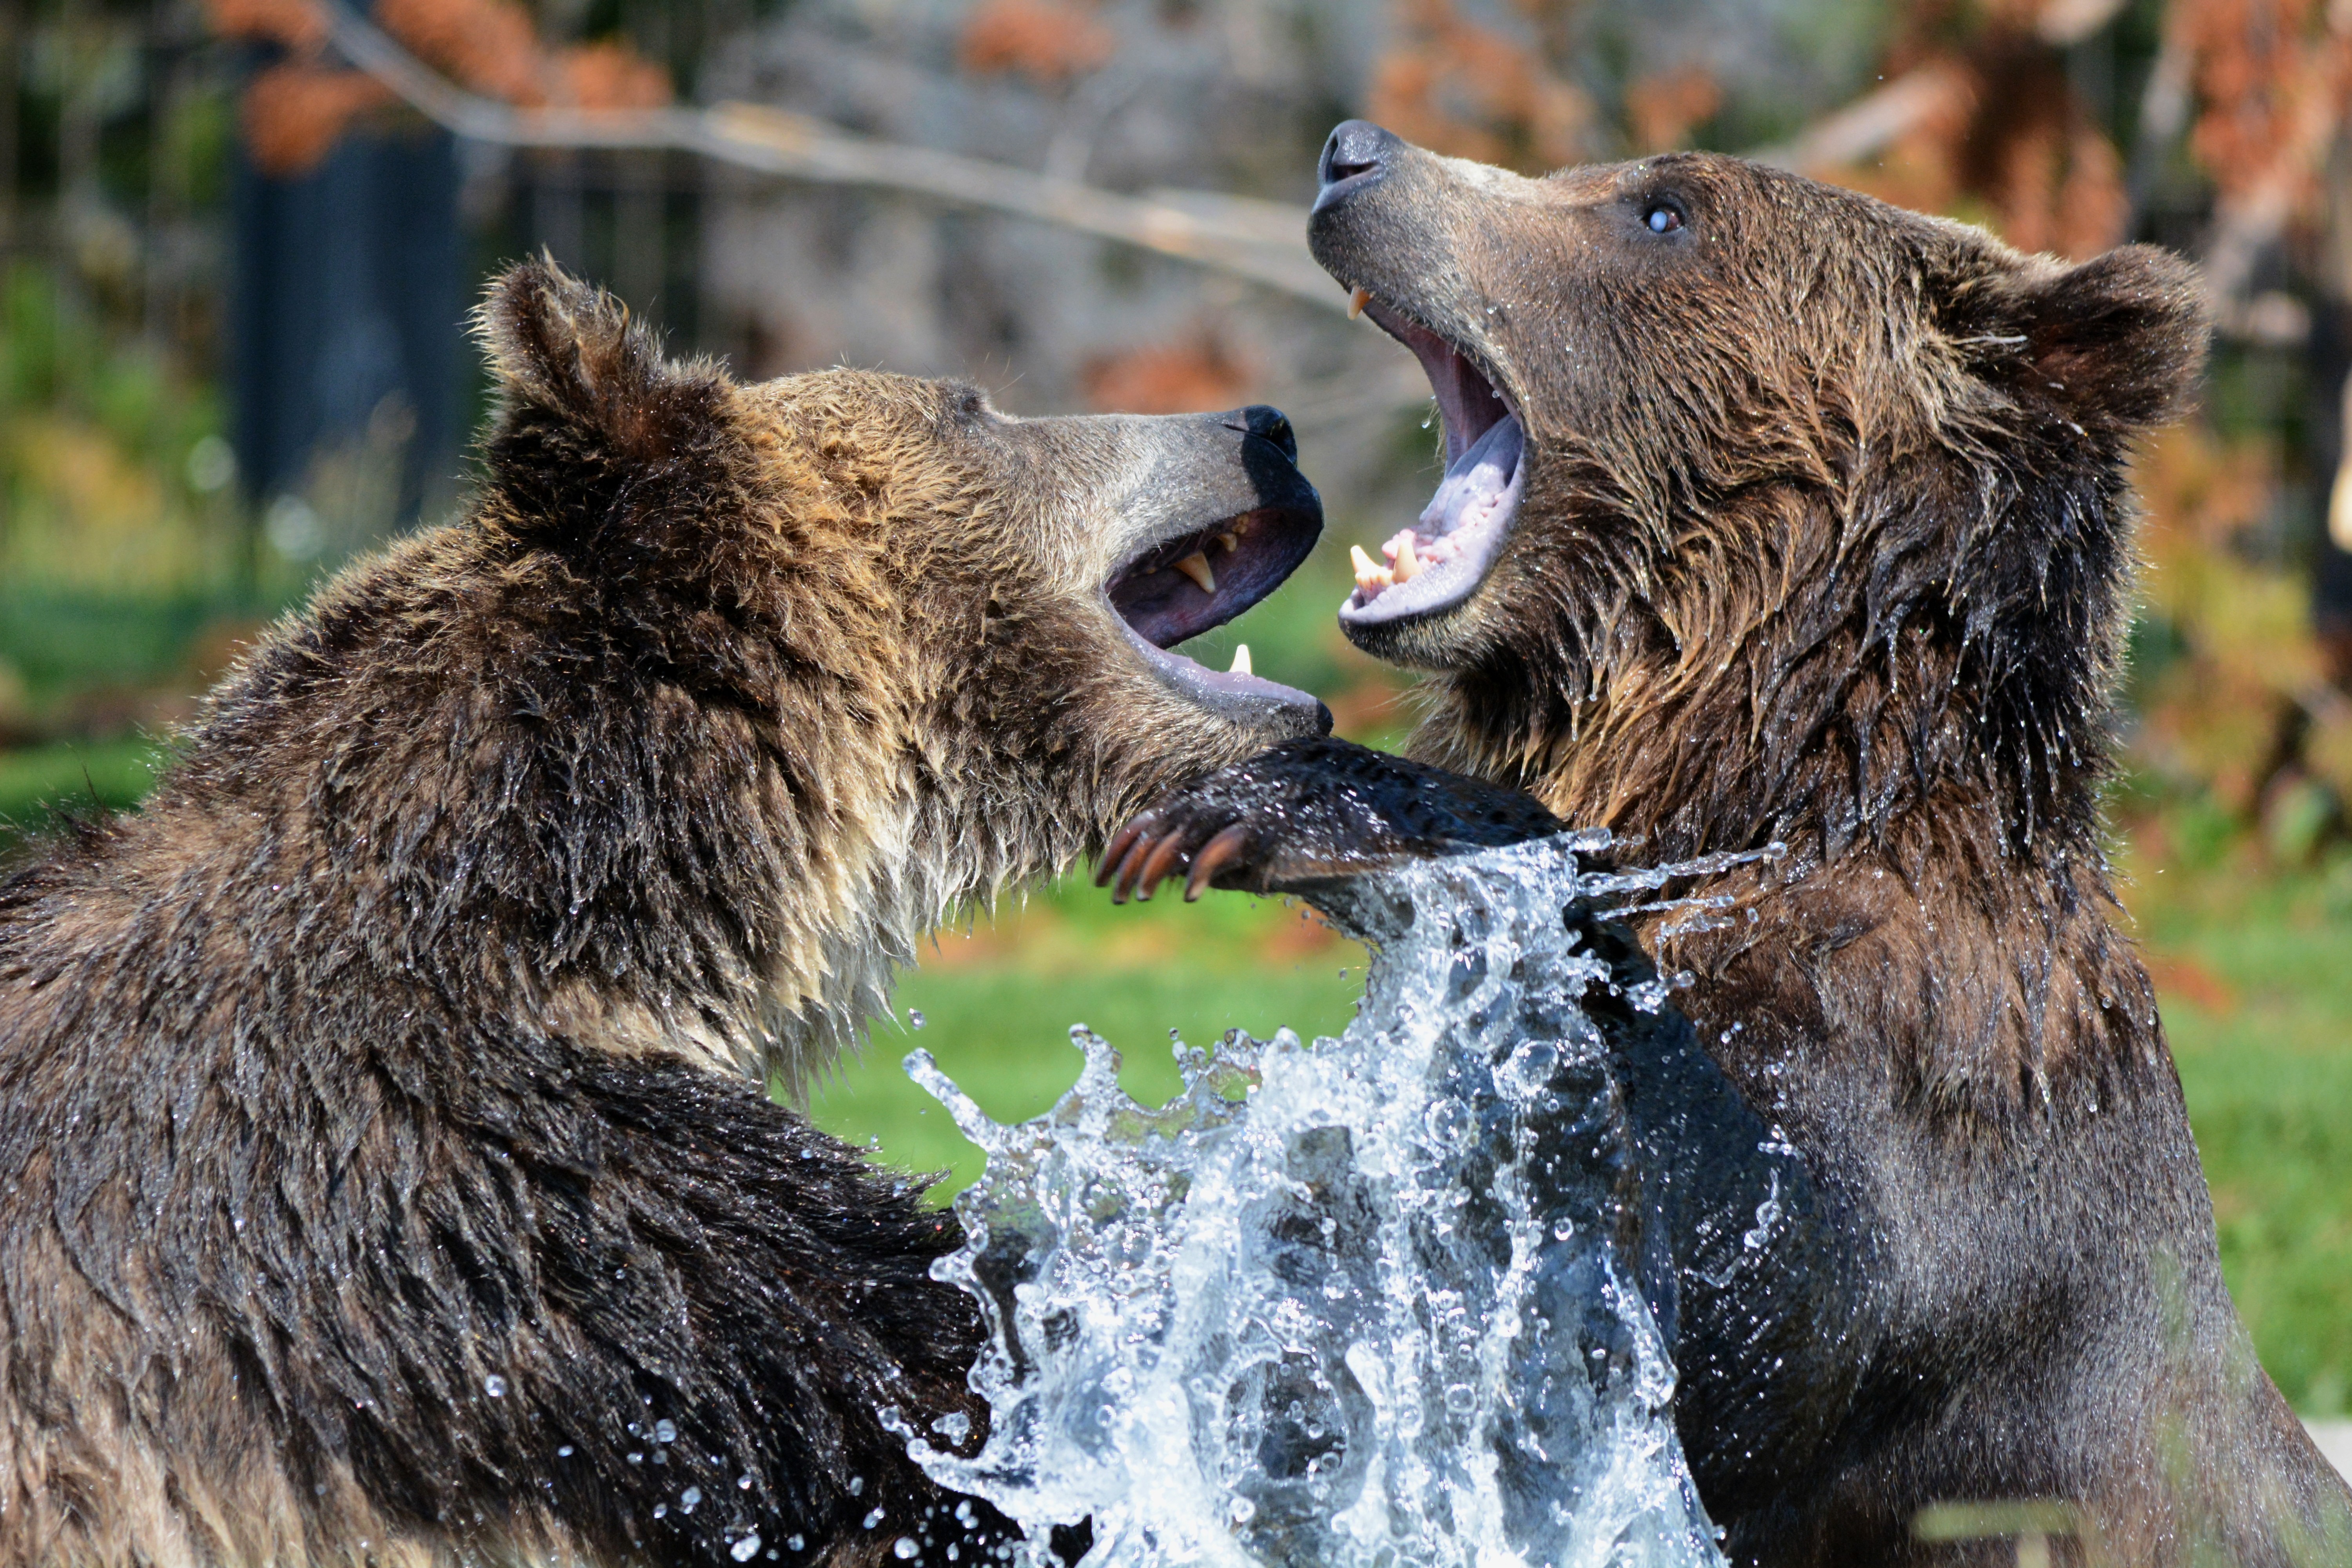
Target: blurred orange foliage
<point>1662,110</point>
<point>294,111</point>
<point>2237,706</point>
<point>1047,40</point>
<point>2264,69</point>
<point>1469,90</point>
<point>1168,378</point>
<point>490,45</point>
<point>610,75</point>
<point>299,25</point>
<point>2006,141</point>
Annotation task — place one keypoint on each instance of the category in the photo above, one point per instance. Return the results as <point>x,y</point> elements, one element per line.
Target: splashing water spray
<point>1369,1301</point>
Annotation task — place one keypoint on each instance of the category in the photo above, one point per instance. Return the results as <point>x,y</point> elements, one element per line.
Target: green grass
<point>2254,970</point>
<point>36,782</point>
<point>998,1007</point>
<point>58,641</point>
<point>2254,975</point>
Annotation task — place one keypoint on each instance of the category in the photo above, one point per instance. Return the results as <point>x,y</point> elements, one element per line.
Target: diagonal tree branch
<point>1229,234</point>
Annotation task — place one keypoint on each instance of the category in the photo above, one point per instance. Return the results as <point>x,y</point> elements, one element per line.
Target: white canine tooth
<point>1408,564</point>
<point>1357,301</point>
<point>1196,567</point>
<point>1370,575</point>
<point>1241,661</point>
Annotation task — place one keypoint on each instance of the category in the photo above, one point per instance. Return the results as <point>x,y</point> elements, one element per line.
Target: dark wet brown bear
<point>1774,514</point>
<point>380,1179</point>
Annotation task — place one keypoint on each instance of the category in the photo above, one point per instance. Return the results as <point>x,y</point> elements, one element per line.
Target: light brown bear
<point>1773,513</point>
<point>387,1174</point>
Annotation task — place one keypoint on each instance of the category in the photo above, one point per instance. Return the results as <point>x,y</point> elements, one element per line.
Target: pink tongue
<point>1474,482</point>
<point>1476,489</point>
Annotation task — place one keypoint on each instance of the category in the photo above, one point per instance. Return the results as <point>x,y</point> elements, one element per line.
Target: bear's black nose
<point>1262,419</point>
<point>1359,151</point>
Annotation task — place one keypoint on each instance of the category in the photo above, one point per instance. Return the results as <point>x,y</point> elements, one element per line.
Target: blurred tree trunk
<point>12,72</point>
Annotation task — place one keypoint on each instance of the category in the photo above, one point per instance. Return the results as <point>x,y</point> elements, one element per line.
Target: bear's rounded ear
<point>2119,339</point>
<point>563,349</point>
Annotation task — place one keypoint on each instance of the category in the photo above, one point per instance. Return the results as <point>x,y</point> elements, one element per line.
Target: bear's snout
<point>1356,154</point>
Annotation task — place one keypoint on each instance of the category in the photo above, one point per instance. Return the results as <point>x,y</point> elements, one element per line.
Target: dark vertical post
<point>12,67</point>
<point>349,303</point>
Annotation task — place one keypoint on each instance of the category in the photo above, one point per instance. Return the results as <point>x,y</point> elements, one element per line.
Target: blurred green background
<point>143,538</point>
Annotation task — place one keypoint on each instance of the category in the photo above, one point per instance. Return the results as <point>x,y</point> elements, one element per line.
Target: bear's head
<point>1709,426</point>
<point>999,594</point>
<point>830,653</point>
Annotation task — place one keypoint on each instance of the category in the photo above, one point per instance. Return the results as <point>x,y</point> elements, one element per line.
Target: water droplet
<point>1449,1122</point>
<point>635,1458</point>
<point>661,1510</point>
<point>746,1549</point>
<point>915,1019</point>
<point>1436,1117</point>
<point>1531,1066</point>
<point>664,1431</point>
<point>875,1517</point>
<point>690,1499</point>
<point>495,1386</point>
<point>795,1542</point>
<point>563,1452</point>
<point>904,1547</point>
<point>743,1484</point>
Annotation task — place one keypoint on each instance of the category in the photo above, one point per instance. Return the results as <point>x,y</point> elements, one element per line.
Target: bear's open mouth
<point>1179,587</point>
<point>1439,561</point>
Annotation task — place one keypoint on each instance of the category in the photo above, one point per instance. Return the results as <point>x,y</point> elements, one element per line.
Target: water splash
<point>1369,1301</point>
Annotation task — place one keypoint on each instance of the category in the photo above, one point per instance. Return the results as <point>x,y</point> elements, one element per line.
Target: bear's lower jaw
<point>1284,712</point>
<point>1435,565</point>
<point>1433,568</point>
<point>1195,577</point>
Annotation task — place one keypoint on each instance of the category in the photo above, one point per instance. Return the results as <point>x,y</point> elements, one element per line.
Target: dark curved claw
<point>1214,856</point>
<point>1130,868</point>
<point>1116,851</point>
<point>1313,812</point>
<point>1164,855</point>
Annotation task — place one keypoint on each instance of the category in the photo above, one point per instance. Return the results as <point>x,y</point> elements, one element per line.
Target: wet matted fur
<point>1823,537</point>
<point>389,1176</point>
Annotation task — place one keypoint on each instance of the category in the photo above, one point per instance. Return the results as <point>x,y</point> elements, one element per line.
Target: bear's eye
<point>1662,218</point>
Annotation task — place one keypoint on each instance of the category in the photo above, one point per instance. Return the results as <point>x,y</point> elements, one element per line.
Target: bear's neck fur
<point>1827,679</point>
<point>654,750</point>
<point>1906,680</point>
